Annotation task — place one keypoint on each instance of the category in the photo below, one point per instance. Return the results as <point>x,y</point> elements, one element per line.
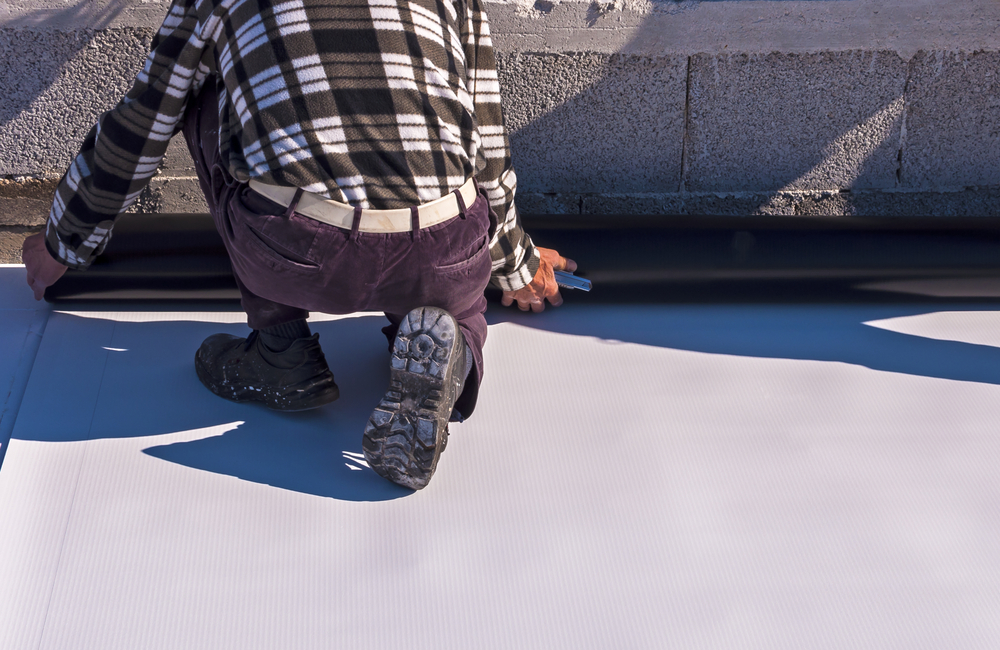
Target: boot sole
<point>303,399</point>
<point>408,430</point>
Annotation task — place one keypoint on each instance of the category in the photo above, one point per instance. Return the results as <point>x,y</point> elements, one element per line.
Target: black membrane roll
<point>628,258</point>
<point>155,257</point>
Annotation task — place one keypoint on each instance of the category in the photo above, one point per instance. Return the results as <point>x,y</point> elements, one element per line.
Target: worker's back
<point>363,102</point>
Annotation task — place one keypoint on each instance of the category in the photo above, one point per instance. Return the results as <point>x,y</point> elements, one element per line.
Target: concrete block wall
<point>734,107</point>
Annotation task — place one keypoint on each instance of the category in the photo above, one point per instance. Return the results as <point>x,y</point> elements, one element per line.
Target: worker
<point>354,158</point>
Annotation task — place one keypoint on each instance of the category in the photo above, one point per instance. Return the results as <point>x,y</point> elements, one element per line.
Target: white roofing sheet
<point>635,476</point>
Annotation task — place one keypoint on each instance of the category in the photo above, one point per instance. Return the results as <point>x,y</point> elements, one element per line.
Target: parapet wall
<point>741,107</point>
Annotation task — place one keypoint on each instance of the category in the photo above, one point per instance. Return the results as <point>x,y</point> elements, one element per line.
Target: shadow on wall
<point>640,123</point>
<point>29,65</point>
<point>584,125</point>
<point>36,51</point>
<point>91,14</point>
<point>588,122</point>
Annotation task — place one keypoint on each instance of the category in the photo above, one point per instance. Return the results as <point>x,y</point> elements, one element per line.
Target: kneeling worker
<point>353,157</point>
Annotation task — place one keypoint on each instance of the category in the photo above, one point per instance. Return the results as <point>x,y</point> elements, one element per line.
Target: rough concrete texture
<point>537,203</point>
<point>658,27</point>
<point>766,97</point>
<point>69,15</point>
<point>715,204</point>
<point>794,121</point>
<point>583,121</point>
<point>11,240</point>
<point>952,120</point>
<point>648,27</point>
<point>641,203</point>
<point>54,86</point>
<point>26,201</point>
<point>166,194</point>
<point>177,161</point>
<point>973,202</point>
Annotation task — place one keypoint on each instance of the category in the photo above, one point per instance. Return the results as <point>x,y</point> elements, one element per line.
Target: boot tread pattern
<point>408,430</point>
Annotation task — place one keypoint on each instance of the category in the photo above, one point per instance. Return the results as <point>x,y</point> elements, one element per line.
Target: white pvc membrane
<point>635,477</point>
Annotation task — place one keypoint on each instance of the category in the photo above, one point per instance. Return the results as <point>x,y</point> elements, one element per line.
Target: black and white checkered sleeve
<point>123,151</point>
<point>515,259</point>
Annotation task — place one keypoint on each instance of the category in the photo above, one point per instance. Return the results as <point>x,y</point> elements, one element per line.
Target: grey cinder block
<point>972,202</point>
<point>641,203</point>
<point>53,87</point>
<point>535,203</point>
<point>953,120</point>
<point>594,122</point>
<point>782,121</point>
<point>735,204</point>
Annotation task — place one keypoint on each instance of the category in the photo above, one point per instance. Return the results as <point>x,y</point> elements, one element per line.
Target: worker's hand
<point>43,270</point>
<point>543,286</point>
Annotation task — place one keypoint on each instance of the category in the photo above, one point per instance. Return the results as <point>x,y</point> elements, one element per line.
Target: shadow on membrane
<point>98,379</point>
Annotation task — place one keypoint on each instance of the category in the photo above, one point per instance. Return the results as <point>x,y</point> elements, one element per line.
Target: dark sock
<point>279,338</point>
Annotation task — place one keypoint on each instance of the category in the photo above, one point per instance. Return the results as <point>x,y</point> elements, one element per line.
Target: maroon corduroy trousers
<point>287,265</point>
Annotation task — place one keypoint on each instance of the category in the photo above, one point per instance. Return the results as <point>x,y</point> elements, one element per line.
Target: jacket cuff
<point>80,256</point>
<point>522,275</point>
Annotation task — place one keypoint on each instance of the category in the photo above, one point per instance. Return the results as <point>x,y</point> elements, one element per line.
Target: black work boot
<point>408,430</point>
<point>243,370</point>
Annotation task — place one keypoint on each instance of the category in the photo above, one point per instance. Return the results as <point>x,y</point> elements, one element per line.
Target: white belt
<point>341,215</point>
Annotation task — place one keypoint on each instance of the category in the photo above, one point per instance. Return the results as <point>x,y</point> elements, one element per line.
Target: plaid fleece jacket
<point>377,103</point>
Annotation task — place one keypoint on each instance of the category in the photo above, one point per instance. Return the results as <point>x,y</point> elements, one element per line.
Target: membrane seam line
<point>76,489</point>
<point>62,547</point>
<point>29,352</point>
<point>104,372</point>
